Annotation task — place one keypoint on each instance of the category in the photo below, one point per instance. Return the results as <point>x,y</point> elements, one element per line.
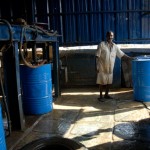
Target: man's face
<point>110,37</point>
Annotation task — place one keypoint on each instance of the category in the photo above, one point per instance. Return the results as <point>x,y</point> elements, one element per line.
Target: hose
<point>44,31</point>
<point>8,45</point>
<point>9,28</point>
<point>5,105</point>
<point>3,49</point>
<point>22,56</point>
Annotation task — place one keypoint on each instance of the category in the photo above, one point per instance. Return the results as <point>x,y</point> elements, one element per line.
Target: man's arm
<point>127,58</point>
<point>96,63</point>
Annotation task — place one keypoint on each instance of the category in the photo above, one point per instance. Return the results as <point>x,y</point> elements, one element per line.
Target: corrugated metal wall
<point>83,22</point>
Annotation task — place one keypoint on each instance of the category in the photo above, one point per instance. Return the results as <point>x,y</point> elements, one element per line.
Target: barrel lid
<point>142,58</point>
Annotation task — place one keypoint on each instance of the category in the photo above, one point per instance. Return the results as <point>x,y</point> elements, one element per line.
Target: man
<point>105,59</point>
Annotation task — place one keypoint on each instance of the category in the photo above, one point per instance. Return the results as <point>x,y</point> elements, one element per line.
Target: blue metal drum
<point>2,133</point>
<point>36,86</point>
<point>141,78</point>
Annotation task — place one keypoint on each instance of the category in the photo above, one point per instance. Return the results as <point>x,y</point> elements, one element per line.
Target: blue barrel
<point>2,133</point>
<point>141,78</point>
<point>36,84</point>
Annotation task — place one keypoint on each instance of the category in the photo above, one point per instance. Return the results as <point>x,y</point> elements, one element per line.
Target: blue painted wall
<point>84,22</point>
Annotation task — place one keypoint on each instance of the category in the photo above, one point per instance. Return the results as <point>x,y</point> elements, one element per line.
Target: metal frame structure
<point>10,38</point>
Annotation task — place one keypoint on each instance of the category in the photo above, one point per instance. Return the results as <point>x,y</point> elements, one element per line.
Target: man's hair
<point>108,33</point>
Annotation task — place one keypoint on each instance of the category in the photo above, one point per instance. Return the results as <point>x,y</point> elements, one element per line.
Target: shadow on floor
<point>121,123</point>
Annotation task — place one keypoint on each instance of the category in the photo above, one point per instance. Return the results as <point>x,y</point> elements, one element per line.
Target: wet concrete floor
<point>118,123</point>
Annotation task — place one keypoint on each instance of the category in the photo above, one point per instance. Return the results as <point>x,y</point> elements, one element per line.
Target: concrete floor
<point>120,123</point>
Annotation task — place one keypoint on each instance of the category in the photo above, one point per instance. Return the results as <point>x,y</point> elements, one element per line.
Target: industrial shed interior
<point>48,75</point>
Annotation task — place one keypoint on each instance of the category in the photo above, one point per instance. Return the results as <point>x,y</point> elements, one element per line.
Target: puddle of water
<point>126,131</point>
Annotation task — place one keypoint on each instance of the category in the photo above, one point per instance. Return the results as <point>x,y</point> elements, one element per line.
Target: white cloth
<point>105,62</point>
